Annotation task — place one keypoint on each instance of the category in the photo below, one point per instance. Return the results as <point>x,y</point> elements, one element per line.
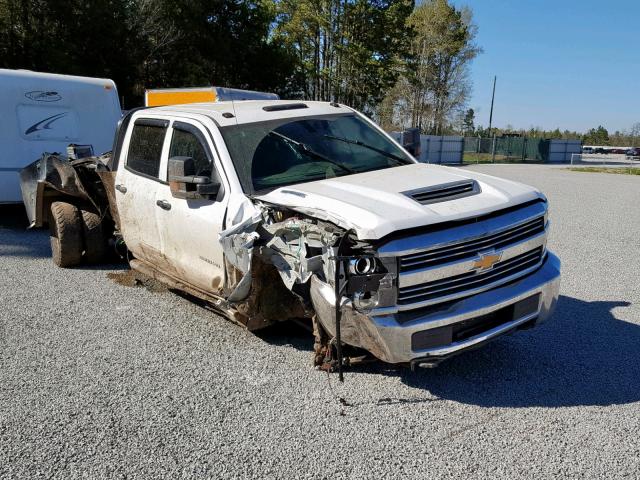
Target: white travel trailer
<point>44,112</point>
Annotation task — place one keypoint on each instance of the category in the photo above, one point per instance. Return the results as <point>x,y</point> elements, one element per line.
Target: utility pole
<point>493,96</point>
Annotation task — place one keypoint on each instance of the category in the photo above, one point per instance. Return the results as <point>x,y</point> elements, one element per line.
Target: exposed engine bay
<point>317,261</point>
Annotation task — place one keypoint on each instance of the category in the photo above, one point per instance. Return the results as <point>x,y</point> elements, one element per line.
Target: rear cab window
<point>145,147</point>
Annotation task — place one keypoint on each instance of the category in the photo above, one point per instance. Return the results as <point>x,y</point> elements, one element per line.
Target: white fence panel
<point>561,150</point>
<point>439,149</point>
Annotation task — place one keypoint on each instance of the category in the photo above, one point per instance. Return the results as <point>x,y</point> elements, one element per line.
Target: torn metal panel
<point>75,178</point>
<point>237,240</point>
<point>240,208</point>
<point>237,244</point>
<point>290,246</point>
<point>296,247</point>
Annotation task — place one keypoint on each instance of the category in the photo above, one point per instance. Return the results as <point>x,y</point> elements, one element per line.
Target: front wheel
<point>66,234</point>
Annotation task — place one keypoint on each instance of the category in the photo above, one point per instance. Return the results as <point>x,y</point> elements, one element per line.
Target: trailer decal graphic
<point>42,96</point>
<point>45,124</point>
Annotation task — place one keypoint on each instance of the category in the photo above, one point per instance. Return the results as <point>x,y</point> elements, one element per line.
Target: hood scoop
<point>444,192</point>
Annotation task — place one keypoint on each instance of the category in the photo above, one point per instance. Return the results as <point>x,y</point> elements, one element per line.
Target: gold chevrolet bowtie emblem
<point>487,261</point>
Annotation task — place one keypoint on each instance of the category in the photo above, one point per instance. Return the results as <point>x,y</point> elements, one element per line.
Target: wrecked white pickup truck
<point>270,210</point>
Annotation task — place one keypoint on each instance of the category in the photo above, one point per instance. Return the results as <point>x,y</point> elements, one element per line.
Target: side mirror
<point>185,184</point>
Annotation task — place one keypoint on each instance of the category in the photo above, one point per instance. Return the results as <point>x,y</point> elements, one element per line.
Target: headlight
<point>365,300</point>
<point>362,265</point>
<point>371,281</point>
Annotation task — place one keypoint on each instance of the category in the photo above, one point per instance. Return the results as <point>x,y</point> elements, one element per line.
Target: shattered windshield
<point>273,154</point>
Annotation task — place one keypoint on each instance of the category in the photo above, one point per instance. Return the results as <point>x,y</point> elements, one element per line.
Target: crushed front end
<point>446,289</point>
<point>414,298</point>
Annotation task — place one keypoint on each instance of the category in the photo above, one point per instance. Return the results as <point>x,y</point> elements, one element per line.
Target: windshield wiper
<point>304,148</point>
<point>398,160</point>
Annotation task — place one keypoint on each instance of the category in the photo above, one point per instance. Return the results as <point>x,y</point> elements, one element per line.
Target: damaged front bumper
<point>427,336</point>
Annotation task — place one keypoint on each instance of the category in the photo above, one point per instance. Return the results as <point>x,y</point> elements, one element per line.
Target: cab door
<point>189,228</point>
<point>137,183</point>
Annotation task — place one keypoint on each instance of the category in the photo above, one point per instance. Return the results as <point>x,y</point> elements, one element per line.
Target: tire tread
<point>66,234</point>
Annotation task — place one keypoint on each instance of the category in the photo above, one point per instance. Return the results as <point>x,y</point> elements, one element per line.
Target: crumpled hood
<point>373,204</point>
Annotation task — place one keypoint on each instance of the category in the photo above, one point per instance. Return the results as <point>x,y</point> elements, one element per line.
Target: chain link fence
<point>519,150</point>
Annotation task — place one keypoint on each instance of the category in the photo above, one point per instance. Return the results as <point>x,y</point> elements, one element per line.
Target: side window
<point>145,147</point>
<point>186,144</point>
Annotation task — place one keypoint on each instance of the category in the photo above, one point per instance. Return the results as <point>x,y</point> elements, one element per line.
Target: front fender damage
<point>357,327</point>
<point>280,264</point>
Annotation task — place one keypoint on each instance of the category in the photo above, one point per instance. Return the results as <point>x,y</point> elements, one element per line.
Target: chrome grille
<point>470,281</point>
<point>439,265</point>
<point>471,248</point>
<point>443,193</point>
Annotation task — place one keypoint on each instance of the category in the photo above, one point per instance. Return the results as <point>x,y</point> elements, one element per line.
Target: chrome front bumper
<point>389,337</point>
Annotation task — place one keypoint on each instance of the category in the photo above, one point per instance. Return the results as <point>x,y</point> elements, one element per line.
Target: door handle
<point>163,204</point>
<point>121,188</point>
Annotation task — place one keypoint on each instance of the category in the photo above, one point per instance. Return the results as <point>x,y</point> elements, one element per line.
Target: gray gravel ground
<point>100,380</point>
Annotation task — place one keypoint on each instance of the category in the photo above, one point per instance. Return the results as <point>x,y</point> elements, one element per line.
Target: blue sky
<point>567,64</point>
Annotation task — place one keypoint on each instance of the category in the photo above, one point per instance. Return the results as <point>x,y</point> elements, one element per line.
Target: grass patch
<point>618,170</point>
<point>472,157</point>
<point>477,158</point>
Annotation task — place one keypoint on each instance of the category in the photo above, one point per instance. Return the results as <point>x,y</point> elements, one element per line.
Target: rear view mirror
<point>209,189</point>
<point>185,184</point>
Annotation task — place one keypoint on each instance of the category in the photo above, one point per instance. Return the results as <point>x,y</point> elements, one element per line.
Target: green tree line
<point>147,43</point>
<point>594,136</point>
<point>601,136</point>
<point>404,63</point>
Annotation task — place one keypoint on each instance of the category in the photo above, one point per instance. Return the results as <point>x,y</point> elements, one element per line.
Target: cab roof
<point>250,111</point>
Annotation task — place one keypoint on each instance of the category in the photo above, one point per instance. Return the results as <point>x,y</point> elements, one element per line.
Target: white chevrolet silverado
<point>276,210</point>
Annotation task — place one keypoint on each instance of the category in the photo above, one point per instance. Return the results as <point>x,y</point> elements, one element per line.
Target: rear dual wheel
<point>75,232</point>
<point>66,234</point>
<point>95,243</point>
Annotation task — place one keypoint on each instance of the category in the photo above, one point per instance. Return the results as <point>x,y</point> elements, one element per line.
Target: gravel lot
<point>100,380</point>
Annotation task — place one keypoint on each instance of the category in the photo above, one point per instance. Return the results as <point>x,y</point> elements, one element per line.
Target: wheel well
<point>50,195</point>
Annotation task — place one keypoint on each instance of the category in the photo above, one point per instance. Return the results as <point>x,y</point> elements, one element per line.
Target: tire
<point>95,243</point>
<point>66,234</point>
